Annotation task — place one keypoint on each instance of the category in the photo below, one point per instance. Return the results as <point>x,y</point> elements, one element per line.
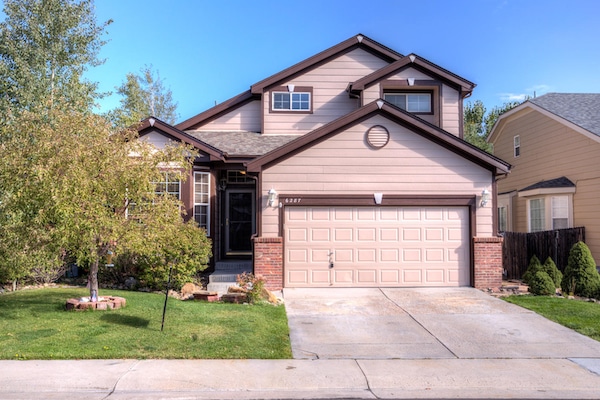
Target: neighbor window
<point>560,212</point>
<point>537,215</point>
<point>291,101</point>
<point>411,102</point>
<point>502,219</point>
<point>202,200</point>
<point>517,145</point>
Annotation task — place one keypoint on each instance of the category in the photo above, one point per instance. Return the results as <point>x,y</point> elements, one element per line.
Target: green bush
<point>534,266</point>
<point>542,284</point>
<point>581,277</point>
<point>550,268</point>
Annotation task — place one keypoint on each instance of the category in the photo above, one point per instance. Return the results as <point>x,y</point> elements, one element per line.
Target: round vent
<point>377,136</point>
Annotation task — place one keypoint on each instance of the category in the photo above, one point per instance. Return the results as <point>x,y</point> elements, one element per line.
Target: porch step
<point>225,275</point>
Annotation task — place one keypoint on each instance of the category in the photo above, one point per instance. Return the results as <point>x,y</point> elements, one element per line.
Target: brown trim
<point>417,125</point>
<point>152,124</point>
<point>464,86</point>
<point>420,86</point>
<point>357,41</point>
<point>389,200</point>
<point>217,111</point>
<point>284,89</point>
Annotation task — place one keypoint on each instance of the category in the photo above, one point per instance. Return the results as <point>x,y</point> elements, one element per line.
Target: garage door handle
<point>330,258</point>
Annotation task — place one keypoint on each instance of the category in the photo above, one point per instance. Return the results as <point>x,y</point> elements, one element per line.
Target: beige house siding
<point>344,165</point>
<point>330,99</point>
<point>549,150</point>
<point>245,118</point>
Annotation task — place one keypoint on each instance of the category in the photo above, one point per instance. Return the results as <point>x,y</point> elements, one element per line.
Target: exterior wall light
<point>485,197</point>
<point>272,197</point>
<point>378,198</point>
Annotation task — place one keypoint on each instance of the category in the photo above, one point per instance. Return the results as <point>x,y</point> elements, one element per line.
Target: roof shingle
<point>582,109</point>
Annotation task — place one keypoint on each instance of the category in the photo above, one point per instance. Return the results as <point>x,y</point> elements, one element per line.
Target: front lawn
<point>35,325</point>
<point>581,316</point>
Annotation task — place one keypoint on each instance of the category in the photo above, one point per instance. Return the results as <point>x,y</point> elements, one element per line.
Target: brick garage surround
<point>487,260</point>
<point>268,261</point>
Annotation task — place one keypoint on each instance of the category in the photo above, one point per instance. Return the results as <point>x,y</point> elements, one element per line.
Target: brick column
<point>487,260</point>
<point>268,261</point>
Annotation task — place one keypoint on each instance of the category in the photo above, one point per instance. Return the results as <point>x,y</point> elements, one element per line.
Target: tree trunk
<point>93,280</point>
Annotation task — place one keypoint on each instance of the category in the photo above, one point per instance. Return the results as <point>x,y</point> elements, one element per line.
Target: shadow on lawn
<point>135,322</point>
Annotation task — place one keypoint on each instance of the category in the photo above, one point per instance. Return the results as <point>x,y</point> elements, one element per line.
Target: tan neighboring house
<point>347,169</point>
<point>553,145</point>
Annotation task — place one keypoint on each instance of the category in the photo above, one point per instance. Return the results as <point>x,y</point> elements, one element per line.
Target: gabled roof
<point>218,110</point>
<point>358,41</point>
<point>414,61</point>
<point>256,90</point>
<point>152,124</point>
<point>395,114</point>
<point>582,109</point>
<point>578,111</point>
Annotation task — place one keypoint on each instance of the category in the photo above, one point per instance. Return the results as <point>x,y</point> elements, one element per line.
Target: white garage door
<point>376,246</point>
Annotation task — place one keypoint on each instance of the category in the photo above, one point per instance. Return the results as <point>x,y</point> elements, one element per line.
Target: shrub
<point>253,285</point>
<point>541,284</point>
<point>534,266</point>
<point>581,277</point>
<point>549,267</point>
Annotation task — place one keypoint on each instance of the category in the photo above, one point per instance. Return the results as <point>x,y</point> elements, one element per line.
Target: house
<point>346,169</point>
<point>553,144</point>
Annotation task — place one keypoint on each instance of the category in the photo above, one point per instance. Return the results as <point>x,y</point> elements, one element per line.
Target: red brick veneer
<point>487,260</point>
<point>268,261</point>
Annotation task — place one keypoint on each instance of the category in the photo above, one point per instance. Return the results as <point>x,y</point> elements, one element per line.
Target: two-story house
<point>346,169</point>
<point>553,144</point>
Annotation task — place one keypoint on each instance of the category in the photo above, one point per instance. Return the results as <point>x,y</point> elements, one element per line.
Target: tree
<point>478,124</point>
<point>71,185</point>
<point>144,95</point>
<point>45,47</point>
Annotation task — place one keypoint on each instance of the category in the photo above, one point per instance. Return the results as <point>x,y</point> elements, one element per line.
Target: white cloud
<point>532,91</point>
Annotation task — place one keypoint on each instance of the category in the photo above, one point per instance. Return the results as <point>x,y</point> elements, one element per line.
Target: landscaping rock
<point>238,298</point>
<point>205,295</point>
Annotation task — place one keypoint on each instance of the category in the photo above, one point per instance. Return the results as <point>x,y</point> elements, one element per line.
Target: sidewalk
<point>306,379</point>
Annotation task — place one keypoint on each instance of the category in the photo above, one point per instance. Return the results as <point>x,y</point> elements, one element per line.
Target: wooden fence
<point>518,248</point>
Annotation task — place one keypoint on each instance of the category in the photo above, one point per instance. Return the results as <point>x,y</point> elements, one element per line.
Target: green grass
<point>581,316</point>
<point>35,325</point>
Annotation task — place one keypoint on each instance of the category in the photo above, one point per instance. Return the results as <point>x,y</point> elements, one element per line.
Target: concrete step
<point>220,287</point>
<point>245,265</point>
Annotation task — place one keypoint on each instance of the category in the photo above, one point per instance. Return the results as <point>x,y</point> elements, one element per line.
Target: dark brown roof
<point>242,144</point>
<point>395,114</point>
<point>562,182</point>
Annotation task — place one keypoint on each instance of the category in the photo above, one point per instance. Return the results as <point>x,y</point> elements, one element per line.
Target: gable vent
<point>377,136</point>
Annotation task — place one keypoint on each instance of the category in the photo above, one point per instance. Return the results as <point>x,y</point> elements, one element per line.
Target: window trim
<point>291,89</point>
<point>516,146</point>
<point>407,94</point>
<point>207,204</point>
<point>431,86</point>
<point>548,217</point>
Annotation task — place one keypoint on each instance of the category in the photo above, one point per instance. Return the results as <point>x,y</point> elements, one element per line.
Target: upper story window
<point>517,145</point>
<point>411,102</point>
<point>286,100</point>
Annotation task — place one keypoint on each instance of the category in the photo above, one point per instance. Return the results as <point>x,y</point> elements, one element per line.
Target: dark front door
<point>239,222</point>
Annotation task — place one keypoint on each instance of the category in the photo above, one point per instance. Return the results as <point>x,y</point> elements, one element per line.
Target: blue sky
<point>210,51</point>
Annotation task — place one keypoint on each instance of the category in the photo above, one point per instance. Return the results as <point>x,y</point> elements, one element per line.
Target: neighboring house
<point>346,169</point>
<point>553,144</point>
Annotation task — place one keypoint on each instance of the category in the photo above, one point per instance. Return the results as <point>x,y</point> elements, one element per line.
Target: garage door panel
<point>377,246</point>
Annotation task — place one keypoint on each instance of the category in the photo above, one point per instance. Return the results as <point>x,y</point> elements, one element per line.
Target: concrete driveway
<point>428,323</point>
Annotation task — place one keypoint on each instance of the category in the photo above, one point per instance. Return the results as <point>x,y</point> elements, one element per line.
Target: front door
<point>239,221</point>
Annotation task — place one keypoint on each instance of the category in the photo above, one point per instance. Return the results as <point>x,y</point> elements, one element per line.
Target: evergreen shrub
<point>534,266</point>
<point>541,284</point>
<point>581,277</point>
<point>550,268</point>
